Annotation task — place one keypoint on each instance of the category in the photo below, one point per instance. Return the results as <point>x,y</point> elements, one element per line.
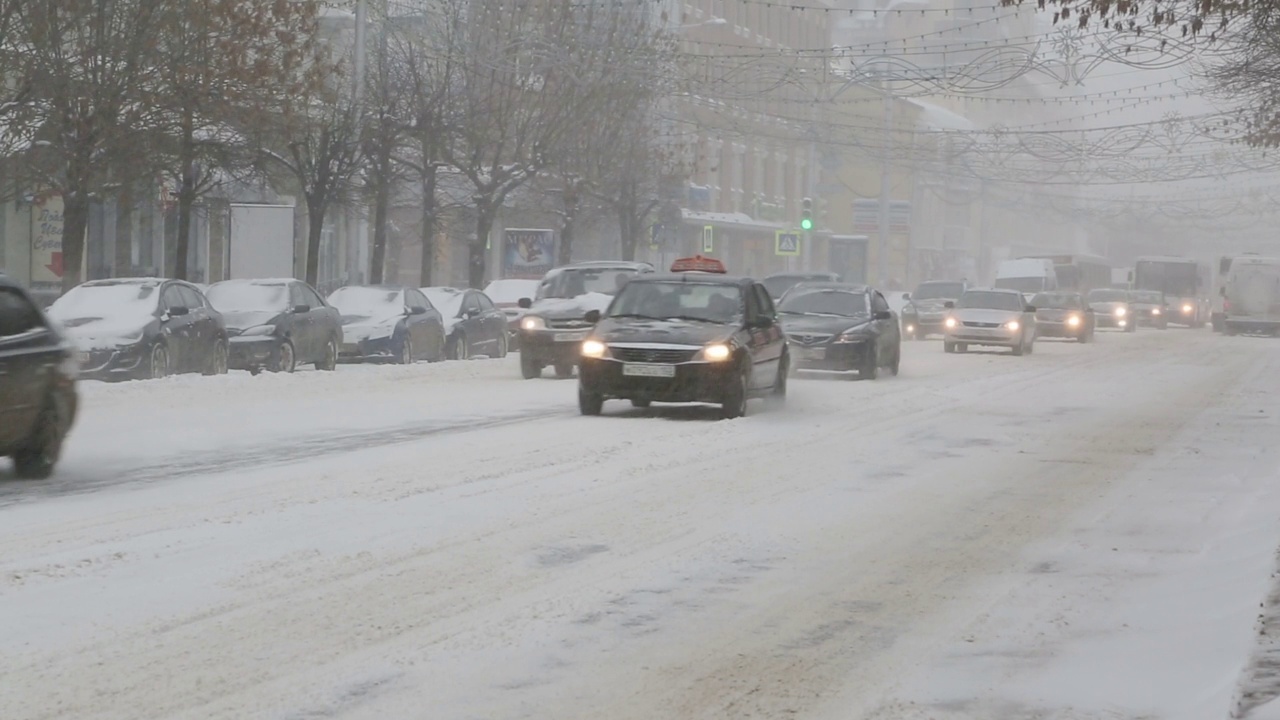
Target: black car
<point>473,324</point>
<point>1149,308</point>
<point>779,284</point>
<point>926,309</point>
<point>552,329</point>
<point>388,322</point>
<point>131,328</point>
<point>277,324</point>
<point>1062,314</point>
<point>688,337</point>
<point>837,327</point>
<point>37,384</point>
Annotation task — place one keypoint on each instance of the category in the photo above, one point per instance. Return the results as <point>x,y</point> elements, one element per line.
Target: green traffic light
<point>806,224</point>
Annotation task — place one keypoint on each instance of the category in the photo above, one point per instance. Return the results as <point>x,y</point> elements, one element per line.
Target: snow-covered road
<point>1080,533</point>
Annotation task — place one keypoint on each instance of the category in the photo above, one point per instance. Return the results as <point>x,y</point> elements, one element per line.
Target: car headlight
<point>717,352</point>
<point>1013,325</point>
<point>1155,311</point>
<point>857,333</point>
<point>1187,308</point>
<point>1074,321</point>
<point>532,322</point>
<point>594,349</point>
<point>911,328</point>
<point>1121,312</point>
<point>258,330</point>
<point>950,322</point>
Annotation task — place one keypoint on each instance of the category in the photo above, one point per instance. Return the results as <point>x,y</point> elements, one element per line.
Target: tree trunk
<point>626,234</point>
<point>428,262</point>
<point>182,244</point>
<point>315,224</point>
<point>378,253</point>
<point>477,250</point>
<point>124,232</point>
<point>75,221</point>
<point>569,224</point>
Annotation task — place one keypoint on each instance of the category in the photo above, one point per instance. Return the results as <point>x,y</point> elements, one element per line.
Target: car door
<point>28,352</point>
<point>472,323</point>
<point>302,325</point>
<point>419,325</point>
<point>495,321</point>
<point>176,327</point>
<point>765,334</point>
<point>322,321</point>
<point>887,330</point>
<point>205,328</point>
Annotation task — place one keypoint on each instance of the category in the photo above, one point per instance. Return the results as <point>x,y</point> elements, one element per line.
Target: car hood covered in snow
<point>566,308</point>
<point>92,333</point>
<point>675,332</point>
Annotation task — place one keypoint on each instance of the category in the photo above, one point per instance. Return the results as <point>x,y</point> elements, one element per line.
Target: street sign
<point>708,235</point>
<point>786,243</point>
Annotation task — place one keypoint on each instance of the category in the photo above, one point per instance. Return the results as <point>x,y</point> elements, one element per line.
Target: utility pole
<point>882,252</point>
<point>358,80</point>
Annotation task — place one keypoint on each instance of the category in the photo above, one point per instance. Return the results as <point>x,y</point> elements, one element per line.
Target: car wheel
<point>406,351</point>
<point>36,460</point>
<point>502,345</point>
<point>962,347</point>
<point>528,368</point>
<point>564,370</point>
<point>218,361</point>
<point>1083,337</point>
<point>635,402</point>
<point>330,360</point>
<point>871,366</point>
<point>1031,347</point>
<point>734,404</point>
<point>897,362</point>
<point>778,396</point>
<point>458,349</point>
<point>158,366</point>
<point>589,403</point>
<point>1020,348</point>
<point>948,347</point>
<point>286,360</point>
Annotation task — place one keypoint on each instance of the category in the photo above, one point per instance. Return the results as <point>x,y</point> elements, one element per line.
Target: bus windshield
<point>1178,279</point>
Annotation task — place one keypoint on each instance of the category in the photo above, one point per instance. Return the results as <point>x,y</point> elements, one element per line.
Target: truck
<point>1184,283</point>
<point>1251,296</point>
<point>1078,273</point>
<point>1027,275</point>
<point>260,242</point>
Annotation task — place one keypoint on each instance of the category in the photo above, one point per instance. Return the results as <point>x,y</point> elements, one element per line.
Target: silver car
<point>993,317</point>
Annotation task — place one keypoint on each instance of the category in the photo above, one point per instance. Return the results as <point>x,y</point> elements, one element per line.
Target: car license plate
<point>570,337</point>
<point>647,370</point>
<point>83,358</point>
<point>812,354</point>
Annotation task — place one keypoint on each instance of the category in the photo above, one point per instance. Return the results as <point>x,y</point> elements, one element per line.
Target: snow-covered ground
<point>1085,532</point>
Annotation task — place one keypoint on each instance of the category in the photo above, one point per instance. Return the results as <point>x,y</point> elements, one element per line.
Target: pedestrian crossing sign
<point>787,243</point>
<point>708,237</point>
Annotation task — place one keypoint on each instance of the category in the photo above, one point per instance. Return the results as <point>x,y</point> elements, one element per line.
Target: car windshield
<point>576,282</point>
<point>838,303</point>
<point>367,301</point>
<point>447,300</point>
<point>778,285</point>
<point>709,302</point>
<point>511,290</point>
<point>1108,296</point>
<point>236,296</point>
<point>990,300</point>
<point>938,291</point>
<point>1056,301</point>
<point>1146,296</point>
<point>106,301</point>
<point>1021,284</point>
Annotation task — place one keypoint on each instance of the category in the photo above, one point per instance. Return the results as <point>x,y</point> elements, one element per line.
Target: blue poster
<point>528,253</point>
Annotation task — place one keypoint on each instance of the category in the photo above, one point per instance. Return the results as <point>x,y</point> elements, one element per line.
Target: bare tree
<point>1249,73</point>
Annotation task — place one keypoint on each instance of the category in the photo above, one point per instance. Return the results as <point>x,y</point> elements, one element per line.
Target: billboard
<point>528,252</point>
<point>46,241</point>
<point>260,243</point>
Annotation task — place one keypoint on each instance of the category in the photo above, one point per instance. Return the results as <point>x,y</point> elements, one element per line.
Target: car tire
<point>502,345</point>
<point>528,368</point>
<point>458,349</point>
<point>218,360</point>
<point>158,363</point>
<point>329,362</point>
<point>962,347</point>
<point>405,357</point>
<point>1020,348</point>
<point>948,346</point>
<point>286,359</point>
<point>589,403</point>
<point>778,395</point>
<point>638,403</point>
<point>734,403</point>
<point>897,362</point>
<point>37,460</point>
<point>870,369</point>
<point>1031,347</point>
<point>564,370</point>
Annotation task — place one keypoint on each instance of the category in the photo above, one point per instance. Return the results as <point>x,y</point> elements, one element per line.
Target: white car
<point>992,317</point>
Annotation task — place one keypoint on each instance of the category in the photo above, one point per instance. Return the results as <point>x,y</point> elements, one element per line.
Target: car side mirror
<point>1031,308</point>
<point>949,305</point>
<point>179,310</point>
<point>301,308</point>
<point>763,322</point>
<point>882,315</point>
<point>592,316</point>
<point>906,296</point>
<point>524,303</point>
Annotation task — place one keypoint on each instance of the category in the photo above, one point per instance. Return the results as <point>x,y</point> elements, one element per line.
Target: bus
<point>1079,273</point>
<point>1185,283</point>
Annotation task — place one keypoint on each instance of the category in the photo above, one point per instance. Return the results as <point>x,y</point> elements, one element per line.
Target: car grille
<point>981,324</point>
<point>569,324</point>
<point>808,338</point>
<point>651,355</point>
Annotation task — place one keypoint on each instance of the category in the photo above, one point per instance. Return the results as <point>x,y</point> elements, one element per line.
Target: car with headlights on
<point>843,328</point>
<point>473,325</point>
<point>506,293</point>
<point>277,324</point>
<point>1148,307</point>
<point>38,370</point>
<point>992,317</point>
<point>778,284</point>
<point>1063,315</point>
<point>388,322</point>
<point>1111,309</point>
<point>133,328</point>
<point>925,309</point>
<point>552,329</point>
<point>690,336</point>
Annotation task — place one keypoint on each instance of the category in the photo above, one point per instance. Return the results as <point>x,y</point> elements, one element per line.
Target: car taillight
<point>1226,305</point>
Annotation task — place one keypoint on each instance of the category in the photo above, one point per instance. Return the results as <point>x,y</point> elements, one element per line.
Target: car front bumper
<point>551,347</point>
<point>369,349</point>
<point>1112,321</point>
<point>249,353</point>
<point>690,381</point>
<point>995,337</point>
<point>1058,329</point>
<point>124,363</point>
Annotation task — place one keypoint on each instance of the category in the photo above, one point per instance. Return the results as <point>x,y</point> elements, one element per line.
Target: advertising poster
<point>46,241</point>
<point>528,253</point>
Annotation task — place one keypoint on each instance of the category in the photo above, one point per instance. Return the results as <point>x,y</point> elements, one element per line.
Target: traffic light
<point>806,214</point>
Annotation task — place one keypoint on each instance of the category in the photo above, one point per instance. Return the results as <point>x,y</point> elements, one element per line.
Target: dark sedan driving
<point>836,327</point>
<point>1063,315</point>
<point>277,325</point>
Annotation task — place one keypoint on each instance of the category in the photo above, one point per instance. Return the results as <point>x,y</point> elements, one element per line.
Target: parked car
<point>836,327</point>
<point>506,294</point>
<point>38,371</point>
<point>277,324</point>
<point>388,322</point>
<point>780,283</point>
<point>473,325</point>
<point>993,317</point>
<point>132,328</point>
<point>1063,314</point>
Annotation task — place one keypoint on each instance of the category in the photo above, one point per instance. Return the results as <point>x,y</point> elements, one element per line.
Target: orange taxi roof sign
<point>697,263</point>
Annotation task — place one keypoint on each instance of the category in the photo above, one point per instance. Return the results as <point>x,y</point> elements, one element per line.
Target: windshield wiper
<point>697,319</point>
